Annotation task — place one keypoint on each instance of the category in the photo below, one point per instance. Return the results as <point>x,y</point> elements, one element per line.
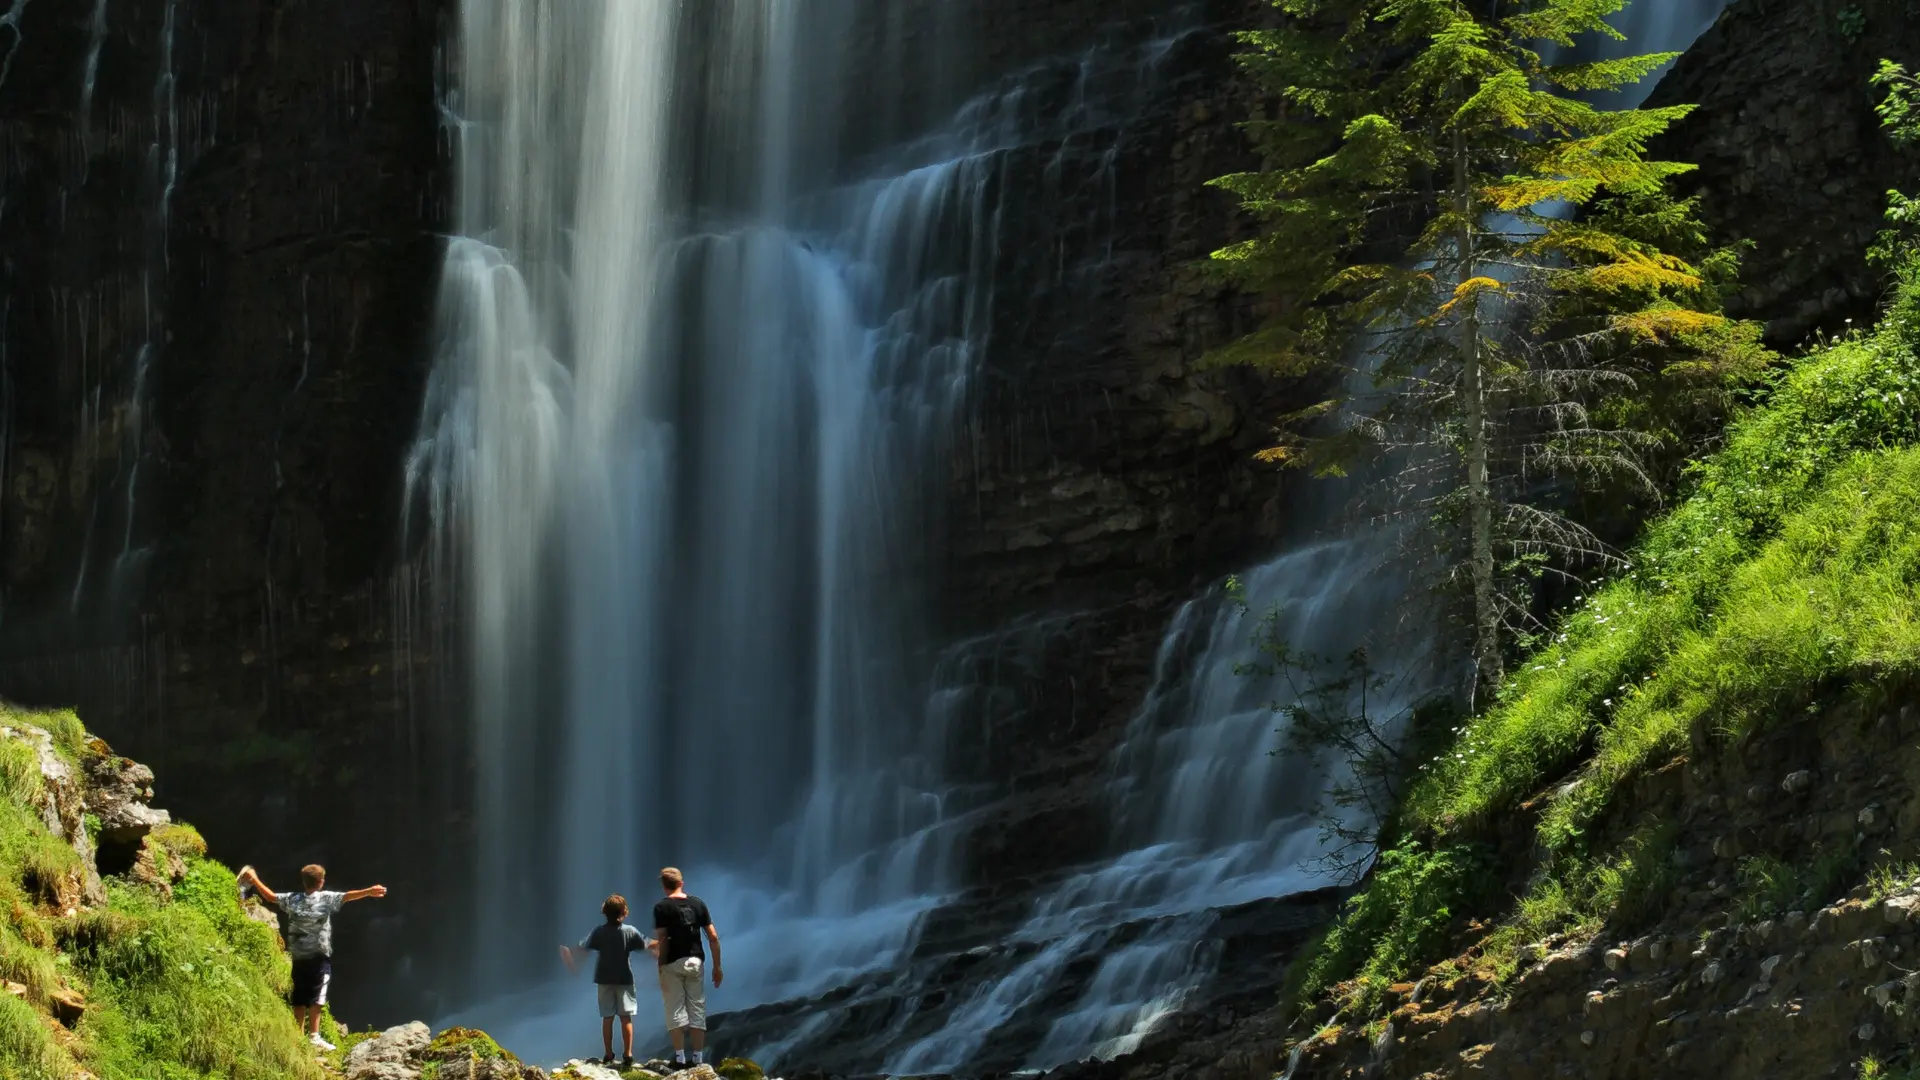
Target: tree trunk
<point>1486,613</point>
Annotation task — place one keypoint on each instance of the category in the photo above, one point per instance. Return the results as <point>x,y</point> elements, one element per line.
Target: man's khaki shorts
<point>683,994</point>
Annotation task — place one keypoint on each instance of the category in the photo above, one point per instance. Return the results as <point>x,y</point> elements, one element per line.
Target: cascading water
<point>702,349</point>
<point>1204,817</point>
<point>679,460</point>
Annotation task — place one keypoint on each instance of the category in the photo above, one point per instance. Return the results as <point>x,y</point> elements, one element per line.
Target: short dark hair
<point>313,875</point>
<point>670,879</point>
<point>615,908</point>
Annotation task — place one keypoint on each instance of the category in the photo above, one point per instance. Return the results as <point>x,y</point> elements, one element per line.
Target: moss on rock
<point>462,1044</point>
<point>739,1068</point>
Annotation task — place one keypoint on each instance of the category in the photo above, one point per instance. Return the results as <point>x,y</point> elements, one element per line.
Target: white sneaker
<point>320,1043</point>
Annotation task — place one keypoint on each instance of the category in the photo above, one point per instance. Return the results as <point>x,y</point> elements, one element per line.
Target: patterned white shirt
<point>310,922</point>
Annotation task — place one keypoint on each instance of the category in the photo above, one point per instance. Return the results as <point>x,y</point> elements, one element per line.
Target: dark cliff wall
<point>1791,153</point>
<point>217,283</point>
<point>1102,462</point>
<point>219,274</point>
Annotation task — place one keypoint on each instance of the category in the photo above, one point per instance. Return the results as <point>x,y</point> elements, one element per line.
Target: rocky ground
<point>414,1052</point>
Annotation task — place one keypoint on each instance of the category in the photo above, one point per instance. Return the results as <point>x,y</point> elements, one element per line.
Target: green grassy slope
<point>175,987</point>
<point>1790,574</point>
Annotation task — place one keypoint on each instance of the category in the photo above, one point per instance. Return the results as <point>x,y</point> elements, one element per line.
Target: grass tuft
<point>28,1050</point>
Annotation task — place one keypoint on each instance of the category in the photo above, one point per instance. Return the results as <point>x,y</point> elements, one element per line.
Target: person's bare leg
<point>699,1039</point>
<point>606,1033</point>
<point>313,1019</point>
<point>679,1037</point>
<point>626,1034</point>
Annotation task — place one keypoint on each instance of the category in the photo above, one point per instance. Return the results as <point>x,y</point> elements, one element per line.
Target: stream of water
<point>704,342</point>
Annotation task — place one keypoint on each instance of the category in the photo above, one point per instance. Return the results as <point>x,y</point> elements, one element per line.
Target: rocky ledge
<point>413,1052</point>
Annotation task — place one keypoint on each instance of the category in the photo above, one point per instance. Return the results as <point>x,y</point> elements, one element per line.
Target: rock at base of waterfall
<point>394,1054</point>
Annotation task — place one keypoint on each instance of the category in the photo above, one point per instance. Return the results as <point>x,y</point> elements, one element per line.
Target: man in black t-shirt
<point>680,920</point>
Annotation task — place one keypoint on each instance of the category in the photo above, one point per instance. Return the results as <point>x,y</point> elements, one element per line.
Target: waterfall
<point>704,340</point>
<point>680,467</point>
<point>1206,817</point>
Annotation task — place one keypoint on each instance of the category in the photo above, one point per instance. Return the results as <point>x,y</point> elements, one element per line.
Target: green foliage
<point>1852,22</point>
<point>738,1068</point>
<point>1887,878</point>
<point>27,1047</point>
<point>1766,886</point>
<point>1789,577</point>
<point>189,988</point>
<point>1403,920</point>
<point>1519,279</point>
<point>175,990</point>
<point>20,779</point>
<point>1613,666</point>
<point>69,735</point>
<point>1900,114</point>
<point>180,839</point>
<point>1874,1068</point>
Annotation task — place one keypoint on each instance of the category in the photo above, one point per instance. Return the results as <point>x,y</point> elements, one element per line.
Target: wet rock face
<point>1792,155</point>
<point>1100,459</point>
<point>216,294</point>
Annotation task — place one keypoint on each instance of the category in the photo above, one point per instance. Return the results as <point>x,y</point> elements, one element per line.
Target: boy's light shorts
<point>616,999</point>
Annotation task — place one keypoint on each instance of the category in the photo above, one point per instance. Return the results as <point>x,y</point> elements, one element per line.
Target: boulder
<point>118,791</point>
<point>394,1054</point>
<point>67,1006</point>
<point>62,804</point>
<point>480,1068</point>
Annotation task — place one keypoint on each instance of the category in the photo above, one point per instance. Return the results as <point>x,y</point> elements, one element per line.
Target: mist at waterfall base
<point>698,373</point>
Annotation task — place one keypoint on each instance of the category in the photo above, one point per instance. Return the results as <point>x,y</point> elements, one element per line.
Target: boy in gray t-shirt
<point>309,932</point>
<point>615,942</point>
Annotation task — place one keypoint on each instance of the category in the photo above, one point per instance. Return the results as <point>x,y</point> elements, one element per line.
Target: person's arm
<point>248,875</point>
<point>713,940</point>
<point>570,953</point>
<point>371,892</point>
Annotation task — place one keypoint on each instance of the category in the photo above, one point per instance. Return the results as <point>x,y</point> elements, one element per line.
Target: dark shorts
<point>310,979</point>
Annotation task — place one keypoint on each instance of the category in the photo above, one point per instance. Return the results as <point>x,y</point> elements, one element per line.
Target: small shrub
<point>182,840</point>
<point>1885,879</point>
<point>1873,1068</point>
<point>1550,907</point>
<point>1403,920</point>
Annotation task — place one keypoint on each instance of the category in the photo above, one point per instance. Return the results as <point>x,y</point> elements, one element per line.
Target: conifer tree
<point>1491,256</point>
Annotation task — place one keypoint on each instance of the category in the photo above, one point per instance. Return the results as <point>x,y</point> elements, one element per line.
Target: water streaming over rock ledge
<point>699,370</point>
<point>705,343</point>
